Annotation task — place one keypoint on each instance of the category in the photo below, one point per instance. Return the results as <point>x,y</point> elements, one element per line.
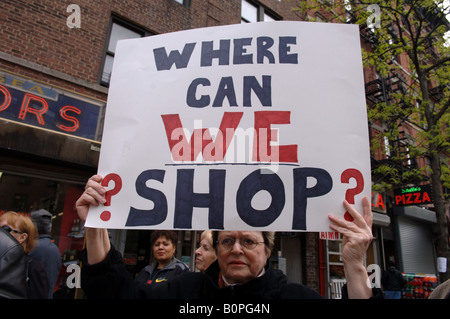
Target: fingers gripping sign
<point>96,194</point>
<point>357,233</point>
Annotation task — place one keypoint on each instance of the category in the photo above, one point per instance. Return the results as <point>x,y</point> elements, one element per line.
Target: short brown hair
<point>25,225</point>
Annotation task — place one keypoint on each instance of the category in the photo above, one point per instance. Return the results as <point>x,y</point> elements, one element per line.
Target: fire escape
<point>383,90</point>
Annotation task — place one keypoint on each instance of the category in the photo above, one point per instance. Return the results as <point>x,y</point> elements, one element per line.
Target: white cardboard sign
<point>258,126</point>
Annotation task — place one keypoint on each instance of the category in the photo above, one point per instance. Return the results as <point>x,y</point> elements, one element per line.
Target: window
<point>184,2</point>
<point>252,12</point>
<point>119,31</point>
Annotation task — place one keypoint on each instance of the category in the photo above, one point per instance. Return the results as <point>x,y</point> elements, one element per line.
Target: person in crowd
<point>205,255</point>
<point>164,266</point>
<point>242,269</point>
<point>393,282</point>
<point>12,267</point>
<point>24,231</point>
<point>45,250</point>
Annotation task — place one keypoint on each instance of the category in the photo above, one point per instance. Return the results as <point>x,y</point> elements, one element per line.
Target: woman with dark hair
<point>164,265</point>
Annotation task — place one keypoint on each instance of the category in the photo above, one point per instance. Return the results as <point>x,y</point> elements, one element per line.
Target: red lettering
<point>7,98</point>
<point>74,120</point>
<point>380,201</point>
<point>264,135</point>
<point>426,198</point>
<point>26,107</point>
<point>398,199</point>
<point>417,198</point>
<point>408,199</point>
<point>201,138</point>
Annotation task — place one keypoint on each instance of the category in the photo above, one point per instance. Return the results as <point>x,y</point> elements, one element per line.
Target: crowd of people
<point>230,264</point>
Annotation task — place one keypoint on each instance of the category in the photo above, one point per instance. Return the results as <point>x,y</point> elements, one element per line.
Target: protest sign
<point>258,126</point>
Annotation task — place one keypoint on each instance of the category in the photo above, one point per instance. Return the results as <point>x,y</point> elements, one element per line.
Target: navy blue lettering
<point>148,217</point>
<point>238,55</point>
<point>263,44</point>
<point>208,53</point>
<point>191,98</point>
<point>225,89</point>
<point>249,187</point>
<point>302,193</point>
<point>164,62</point>
<point>264,92</point>
<point>186,199</point>
<point>283,49</point>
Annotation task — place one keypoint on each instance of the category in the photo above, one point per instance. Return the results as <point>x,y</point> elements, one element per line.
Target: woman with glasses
<point>24,231</point>
<point>241,271</point>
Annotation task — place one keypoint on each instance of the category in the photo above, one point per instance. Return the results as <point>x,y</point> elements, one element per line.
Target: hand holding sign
<point>94,195</point>
<point>357,238</point>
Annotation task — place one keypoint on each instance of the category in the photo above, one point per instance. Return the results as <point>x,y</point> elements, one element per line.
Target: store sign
<point>241,127</point>
<point>378,202</point>
<point>416,195</point>
<point>27,102</point>
<point>329,235</point>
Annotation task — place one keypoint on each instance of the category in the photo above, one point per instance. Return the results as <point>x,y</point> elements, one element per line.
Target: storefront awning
<point>417,213</point>
<point>380,219</point>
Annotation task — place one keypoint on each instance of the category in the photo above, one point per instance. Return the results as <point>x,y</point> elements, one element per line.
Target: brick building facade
<point>52,51</point>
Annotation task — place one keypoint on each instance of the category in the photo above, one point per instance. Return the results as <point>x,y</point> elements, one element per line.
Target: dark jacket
<point>38,285</point>
<point>152,275</point>
<point>12,267</point>
<point>110,279</point>
<point>48,253</point>
<point>392,279</point>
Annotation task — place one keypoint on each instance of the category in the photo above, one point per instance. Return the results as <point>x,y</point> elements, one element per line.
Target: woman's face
<point>205,255</point>
<point>14,231</point>
<point>163,249</point>
<point>238,263</point>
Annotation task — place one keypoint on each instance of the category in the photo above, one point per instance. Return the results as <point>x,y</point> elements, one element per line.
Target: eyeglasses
<point>247,243</point>
<point>9,229</point>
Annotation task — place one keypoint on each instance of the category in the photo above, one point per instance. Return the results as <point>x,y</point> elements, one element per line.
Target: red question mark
<point>352,192</point>
<point>106,215</point>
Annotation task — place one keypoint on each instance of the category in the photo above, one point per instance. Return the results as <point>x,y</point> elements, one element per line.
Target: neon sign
<point>416,195</point>
<point>25,102</point>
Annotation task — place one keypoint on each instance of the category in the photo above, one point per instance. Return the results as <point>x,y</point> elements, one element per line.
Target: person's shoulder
<point>181,265</point>
<point>442,291</point>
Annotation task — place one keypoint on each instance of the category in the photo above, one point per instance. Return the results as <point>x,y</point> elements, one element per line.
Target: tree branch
<point>442,111</point>
<point>438,63</point>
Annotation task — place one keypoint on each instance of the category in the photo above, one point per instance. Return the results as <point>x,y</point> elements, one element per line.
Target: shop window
<point>20,202</point>
<point>253,12</point>
<point>336,266</point>
<point>119,30</point>
<point>25,194</point>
